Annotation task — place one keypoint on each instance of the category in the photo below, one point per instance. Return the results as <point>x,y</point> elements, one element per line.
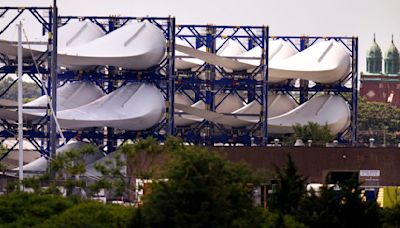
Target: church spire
<point>374,58</point>
<point>392,59</point>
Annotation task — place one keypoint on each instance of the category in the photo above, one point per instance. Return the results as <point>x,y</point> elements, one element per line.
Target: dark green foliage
<point>390,217</point>
<point>37,184</point>
<point>193,187</point>
<point>377,118</point>
<point>274,220</point>
<point>202,190</point>
<point>377,115</point>
<point>31,210</point>
<point>91,214</point>
<point>137,219</point>
<point>289,190</point>
<point>352,211</point>
<point>319,211</point>
<point>340,206</point>
<point>319,135</point>
<point>25,210</point>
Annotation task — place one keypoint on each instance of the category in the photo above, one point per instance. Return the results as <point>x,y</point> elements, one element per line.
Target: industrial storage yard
<point>208,84</point>
<point>240,91</point>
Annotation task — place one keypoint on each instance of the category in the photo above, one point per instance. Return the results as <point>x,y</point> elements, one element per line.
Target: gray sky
<point>285,17</point>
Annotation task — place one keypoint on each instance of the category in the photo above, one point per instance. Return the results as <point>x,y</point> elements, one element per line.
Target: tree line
<point>31,90</point>
<point>380,121</point>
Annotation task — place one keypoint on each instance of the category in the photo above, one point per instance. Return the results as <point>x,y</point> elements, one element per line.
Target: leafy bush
<point>91,214</point>
<point>26,210</point>
<point>274,220</point>
<point>32,210</point>
<point>390,217</point>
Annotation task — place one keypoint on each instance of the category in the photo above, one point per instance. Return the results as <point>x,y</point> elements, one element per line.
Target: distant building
<point>382,85</point>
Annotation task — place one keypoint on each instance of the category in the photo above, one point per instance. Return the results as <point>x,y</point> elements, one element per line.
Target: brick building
<point>382,85</point>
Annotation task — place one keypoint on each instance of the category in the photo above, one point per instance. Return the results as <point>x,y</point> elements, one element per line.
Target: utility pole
<point>20,117</point>
<point>53,72</point>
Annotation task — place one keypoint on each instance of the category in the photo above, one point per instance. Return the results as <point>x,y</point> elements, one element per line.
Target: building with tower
<point>374,58</point>
<point>382,84</point>
<point>392,60</point>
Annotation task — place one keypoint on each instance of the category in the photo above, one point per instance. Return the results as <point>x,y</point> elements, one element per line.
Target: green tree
<point>31,90</point>
<point>200,189</point>
<point>319,135</point>
<point>339,206</point>
<point>113,177</point>
<point>289,190</point>
<point>376,119</point>
<point>335,206</point>
<point>41,185</point>
<point>69,167</point>
<point>146,159</point>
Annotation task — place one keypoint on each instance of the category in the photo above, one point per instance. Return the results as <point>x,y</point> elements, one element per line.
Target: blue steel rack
<point>34,131</point>
<point>238,83</point>
<point>162,76</point>
<point>306,92</point>
<point>171,81</point>
<point>189,80</point>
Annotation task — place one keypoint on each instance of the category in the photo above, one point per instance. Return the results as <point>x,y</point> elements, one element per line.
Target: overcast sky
<point>285,17</point>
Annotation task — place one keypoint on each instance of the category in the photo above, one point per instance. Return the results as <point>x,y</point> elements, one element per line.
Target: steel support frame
<point>205,89</point>
<point>163,76</point>
<point>351,45</point>
<point>354,98</point>
<point>153,75</point>
<point>169,84</point>
<point>34,131</point>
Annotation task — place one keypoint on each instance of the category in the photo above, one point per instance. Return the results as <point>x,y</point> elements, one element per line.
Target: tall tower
<point>392,59</point>
<point>374,58</point>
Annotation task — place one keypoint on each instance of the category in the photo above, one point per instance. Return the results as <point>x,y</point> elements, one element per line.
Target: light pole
<point>20,117</point>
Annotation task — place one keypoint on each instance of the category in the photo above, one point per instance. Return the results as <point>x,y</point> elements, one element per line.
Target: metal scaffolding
<point>347,87</point>
<point>33,132</point>
<point>200,83</point>
<point>109,80</point>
